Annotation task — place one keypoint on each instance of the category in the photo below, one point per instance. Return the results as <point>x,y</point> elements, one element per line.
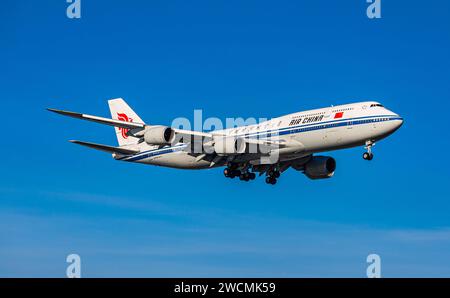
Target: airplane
<point>270,147</point>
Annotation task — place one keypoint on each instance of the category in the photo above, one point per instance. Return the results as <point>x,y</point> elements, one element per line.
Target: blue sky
<point>230,59</point>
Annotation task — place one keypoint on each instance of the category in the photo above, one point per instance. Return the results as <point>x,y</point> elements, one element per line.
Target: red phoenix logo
<point>124,117</point>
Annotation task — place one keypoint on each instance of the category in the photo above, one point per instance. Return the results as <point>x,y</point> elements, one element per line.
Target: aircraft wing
<point>266,144</point>
<point>262,147</point>
<point>189,136</point>
<point>193,138</point>
<point>107,121</point>
<point>105,148</point>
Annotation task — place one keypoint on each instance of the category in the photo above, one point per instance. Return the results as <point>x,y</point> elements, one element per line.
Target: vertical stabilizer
<point>120,110</point>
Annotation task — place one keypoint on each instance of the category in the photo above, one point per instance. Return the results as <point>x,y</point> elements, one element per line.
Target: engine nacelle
<point>158,135</point>
<point>229,145</point>
<point>320,167</point>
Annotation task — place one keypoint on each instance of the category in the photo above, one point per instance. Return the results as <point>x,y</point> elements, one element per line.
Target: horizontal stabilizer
<point>106,148</point>
<point>101,120</point>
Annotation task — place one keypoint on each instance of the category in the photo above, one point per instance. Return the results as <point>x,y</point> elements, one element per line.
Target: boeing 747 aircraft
<point>269,148</point>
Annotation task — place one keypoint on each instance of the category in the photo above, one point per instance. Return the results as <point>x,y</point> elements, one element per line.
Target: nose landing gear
<point>368,155</point>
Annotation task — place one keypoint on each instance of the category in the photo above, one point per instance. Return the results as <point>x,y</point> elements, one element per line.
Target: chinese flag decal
<point>338,115</point>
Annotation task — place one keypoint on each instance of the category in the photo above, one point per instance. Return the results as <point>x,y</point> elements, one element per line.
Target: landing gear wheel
<point>367,156</point>
<point>271,180</point>
<point>244,177</point>
<point>229,173</point>
<point>252,176</point>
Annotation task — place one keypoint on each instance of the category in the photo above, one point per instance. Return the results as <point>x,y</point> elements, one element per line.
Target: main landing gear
<point>244,175</point>
<point>368,155</point>
<point>272,176</point>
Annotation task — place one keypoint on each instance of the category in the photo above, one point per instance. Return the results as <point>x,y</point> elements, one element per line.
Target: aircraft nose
<point>398,122</point>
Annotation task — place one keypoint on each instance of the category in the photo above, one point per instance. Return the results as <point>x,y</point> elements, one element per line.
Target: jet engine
<point>320,167</point>
<point>158,135</point>
<point>229,145</point>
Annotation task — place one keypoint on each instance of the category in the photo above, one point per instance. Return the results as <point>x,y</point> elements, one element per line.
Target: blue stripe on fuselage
<point>153,152</point>
<point>314,124</point>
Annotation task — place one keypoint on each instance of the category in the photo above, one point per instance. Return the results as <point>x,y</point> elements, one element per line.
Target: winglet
<point>66,113</point>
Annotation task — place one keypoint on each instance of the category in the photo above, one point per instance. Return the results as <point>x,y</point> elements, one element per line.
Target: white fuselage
<point>311,131</point>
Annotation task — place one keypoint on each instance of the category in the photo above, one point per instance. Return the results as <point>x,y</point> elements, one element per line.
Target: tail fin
<point>121,111</point>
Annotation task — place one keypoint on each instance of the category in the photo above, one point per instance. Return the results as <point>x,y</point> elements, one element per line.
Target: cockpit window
<point>376,105</point>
